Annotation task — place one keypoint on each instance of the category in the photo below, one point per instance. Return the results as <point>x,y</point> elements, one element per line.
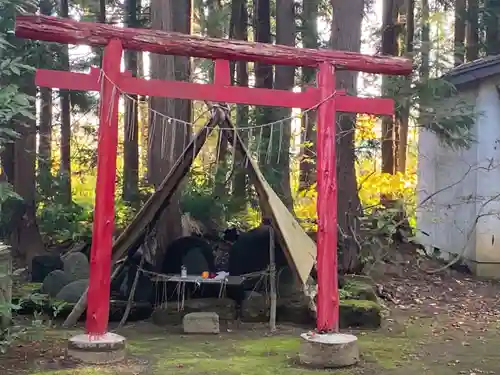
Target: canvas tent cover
<point>299,248</point>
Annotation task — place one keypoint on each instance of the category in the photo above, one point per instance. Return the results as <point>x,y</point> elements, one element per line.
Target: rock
<point>224,307</point>
<point>201,322</point>
<point>138,311</point>
<point>287,283</point>
<point>356,289</point>
<point>360,314</point>
<point>178,249</point>
<point>251,294</point>
<point>329,350</point>
<point>42,265</point>
<point>76,266</point>
<point>300,309</point>
<point>195,262</point>
<point>170,314</point>
<point>54,282</point>
<point>164,316</point>
<point>250,253</point>
<point>255,309</point>
<point>364,279</point>
<point>72,292</point>
<point>297,308</point>
<point>144,288</point>
<point>221,256</point>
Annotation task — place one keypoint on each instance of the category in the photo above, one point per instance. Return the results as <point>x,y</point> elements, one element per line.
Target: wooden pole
<point>272,280</point>
<point>328,300</point>
<point>132,293</point>
<point>104,211</point>
<point>60,30</point>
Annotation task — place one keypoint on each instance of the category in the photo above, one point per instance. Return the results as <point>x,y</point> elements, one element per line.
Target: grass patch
<point>387,353</point>
<point>79,371</point>
<point>275,355</point>
<point>252,353</point>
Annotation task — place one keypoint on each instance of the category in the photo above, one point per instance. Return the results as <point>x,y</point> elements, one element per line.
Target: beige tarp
<point>300,249</point>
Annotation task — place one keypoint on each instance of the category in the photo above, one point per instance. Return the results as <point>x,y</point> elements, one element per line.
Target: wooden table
<point>194,279</point>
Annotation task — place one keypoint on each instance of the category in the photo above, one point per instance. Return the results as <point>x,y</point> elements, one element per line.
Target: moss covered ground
<point>406,346</point>
<point>439,324</point>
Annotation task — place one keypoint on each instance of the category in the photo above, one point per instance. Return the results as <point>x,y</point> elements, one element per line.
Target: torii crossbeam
<point>61,30</point>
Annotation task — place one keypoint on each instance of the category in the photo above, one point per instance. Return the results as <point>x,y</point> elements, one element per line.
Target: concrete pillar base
<point>108,348</point>
<point>328,350</point>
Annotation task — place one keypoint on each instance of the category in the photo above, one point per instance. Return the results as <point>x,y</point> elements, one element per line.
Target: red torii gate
<point>53,29</point>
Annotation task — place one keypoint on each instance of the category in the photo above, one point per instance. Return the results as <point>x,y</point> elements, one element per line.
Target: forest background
<point>48,138</point>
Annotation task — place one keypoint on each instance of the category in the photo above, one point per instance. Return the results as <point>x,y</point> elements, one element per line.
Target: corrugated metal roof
<point>474,70</point>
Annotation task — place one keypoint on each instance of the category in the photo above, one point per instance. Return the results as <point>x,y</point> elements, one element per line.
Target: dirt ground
<point>443,324</point>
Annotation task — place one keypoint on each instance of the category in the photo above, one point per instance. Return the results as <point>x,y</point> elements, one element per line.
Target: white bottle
<point>183,272</point>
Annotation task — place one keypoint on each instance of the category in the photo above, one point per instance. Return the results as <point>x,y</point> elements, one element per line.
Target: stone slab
<point>201,322</point>
<point>108,348</point>
<point>328,350</point>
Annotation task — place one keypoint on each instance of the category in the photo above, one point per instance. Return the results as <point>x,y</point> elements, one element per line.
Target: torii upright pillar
<point>328,295</point>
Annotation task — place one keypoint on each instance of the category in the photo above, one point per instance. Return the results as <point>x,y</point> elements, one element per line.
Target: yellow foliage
<point>365,128</point>
<point>305,208</point>
<point>372,183</point>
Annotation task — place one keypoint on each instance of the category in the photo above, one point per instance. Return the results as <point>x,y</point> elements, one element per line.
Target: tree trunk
<point>131,119</point>
<point>45,142</point>
<point>143,111</point>
<point>425,41</point>
<point>65,166</point>
<point>405,110</point>
<point>101,18</point>
<point>264,79</point>
<point>215,29</point>
<point>460,17</point>
<point>7,172</point>
<point>45,132</point>
<point>143,120</point>
<point>310,39</point>
<point>492,33</point>
<point>389,47</point>
<point>168,138</point>
<point>26,239</point>
<point>472,48</point>
<point>239,21</point>
<point>346,35</point>
<point>284,80</point>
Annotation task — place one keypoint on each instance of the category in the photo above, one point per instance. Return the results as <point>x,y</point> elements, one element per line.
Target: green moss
<point>79,371</point>
<point>360,304</point>
<point>253,354</point>
<point>357,289</point>
<point>360,313</point>
<point>258,356</point>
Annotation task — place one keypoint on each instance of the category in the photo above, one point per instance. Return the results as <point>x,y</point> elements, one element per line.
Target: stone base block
<point>329,350</point>
<point>201,322</point>
<point>109,348</point>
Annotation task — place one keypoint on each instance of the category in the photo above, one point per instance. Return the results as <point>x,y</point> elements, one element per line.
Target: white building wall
<point>457,188</point>
<point>488,174</point>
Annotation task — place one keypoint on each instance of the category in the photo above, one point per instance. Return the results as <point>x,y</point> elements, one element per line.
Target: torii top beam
<point>63,30</point>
